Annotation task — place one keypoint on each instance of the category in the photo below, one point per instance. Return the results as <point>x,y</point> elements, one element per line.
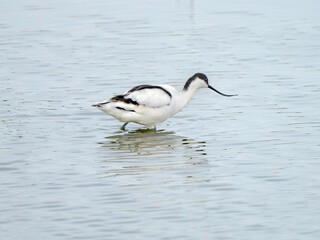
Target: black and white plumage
<point>150,105</point>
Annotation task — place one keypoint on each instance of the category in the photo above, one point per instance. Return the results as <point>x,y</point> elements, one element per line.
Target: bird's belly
<point>155,115</point>
<point>148,116</point>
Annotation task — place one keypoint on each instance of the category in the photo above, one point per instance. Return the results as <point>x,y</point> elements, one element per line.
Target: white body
<point>150,105</point>
<point>155,106</point>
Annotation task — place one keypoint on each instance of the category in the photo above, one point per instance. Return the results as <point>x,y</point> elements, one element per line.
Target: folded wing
<point>146,95</point>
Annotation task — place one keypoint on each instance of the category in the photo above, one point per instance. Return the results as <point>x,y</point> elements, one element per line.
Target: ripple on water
<point>240,168</point>
<point>138,152</point>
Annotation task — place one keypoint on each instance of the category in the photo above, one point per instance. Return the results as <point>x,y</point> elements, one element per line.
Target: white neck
<point>184,98</point>
<point>190,88</point>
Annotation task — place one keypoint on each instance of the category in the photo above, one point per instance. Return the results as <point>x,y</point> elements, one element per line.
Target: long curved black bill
<point>226,95</point>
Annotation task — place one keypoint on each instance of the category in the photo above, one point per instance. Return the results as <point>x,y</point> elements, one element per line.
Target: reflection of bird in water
<point>147,151</point>
<point>150,105</point>
<point>152,142</point>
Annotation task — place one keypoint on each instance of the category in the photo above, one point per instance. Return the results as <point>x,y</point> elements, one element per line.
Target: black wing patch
<point>121,98</point>
<point>120,108</point>
<point>124,97</point>
<point>141,87</point>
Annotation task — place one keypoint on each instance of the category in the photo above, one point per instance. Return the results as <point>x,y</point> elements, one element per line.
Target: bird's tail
<point>99,104</point>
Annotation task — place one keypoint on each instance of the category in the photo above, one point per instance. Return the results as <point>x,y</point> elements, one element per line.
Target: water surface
<point>245,167</point>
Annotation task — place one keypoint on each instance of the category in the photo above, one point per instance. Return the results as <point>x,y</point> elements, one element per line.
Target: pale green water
<point>245,167</point>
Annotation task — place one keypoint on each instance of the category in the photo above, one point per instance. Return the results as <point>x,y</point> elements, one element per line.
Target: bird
<point>150,105</point>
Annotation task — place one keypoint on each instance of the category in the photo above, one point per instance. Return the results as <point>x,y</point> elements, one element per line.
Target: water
<point>245,167</point>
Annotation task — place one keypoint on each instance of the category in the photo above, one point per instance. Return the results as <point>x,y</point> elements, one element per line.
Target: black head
<point>195,76</point>
<point>205,83</point>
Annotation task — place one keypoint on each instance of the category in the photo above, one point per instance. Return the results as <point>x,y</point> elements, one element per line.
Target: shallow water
<point>245,167</point>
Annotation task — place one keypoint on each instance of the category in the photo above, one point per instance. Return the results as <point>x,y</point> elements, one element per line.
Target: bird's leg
<point>124,126</point>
